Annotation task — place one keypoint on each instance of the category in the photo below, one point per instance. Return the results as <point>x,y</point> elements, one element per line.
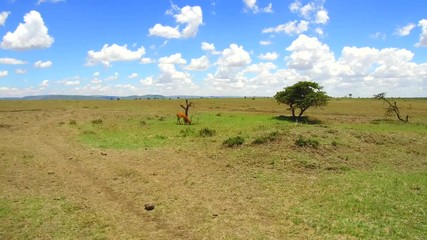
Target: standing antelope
<point>183,116</point>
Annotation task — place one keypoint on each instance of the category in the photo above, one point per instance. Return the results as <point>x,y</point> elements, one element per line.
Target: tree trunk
<point>292,110</point>
<point>187,106</point>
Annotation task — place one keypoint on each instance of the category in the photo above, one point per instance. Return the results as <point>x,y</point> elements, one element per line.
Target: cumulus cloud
<point>406,30</point>
<point>40,64</point>
<point>4,73</point>
<point>113,53</point>
<point>199,64</point>
<point>133,75</point>
<point>173,59</point>
<point>44,83</point>
<point>265,43</point>
<point>146,60</point>
<point>49,1</point>
<point>3,17</point>
<point>210,47</point>
<point>252,6</point>
<point>292,27</point>
<point>423,37</point>
<point>269,56</point>
<point>11,61</point>
<point>234,56</point>
<point>363,71</point>
<point>312,13</point>
<point>308,52</point>
<point>32,34</point>
<point>322,17</point>
<point>192,17</point>
<point>20,71</point>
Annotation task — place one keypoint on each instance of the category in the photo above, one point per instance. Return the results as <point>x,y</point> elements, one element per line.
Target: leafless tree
<point>392,107</point>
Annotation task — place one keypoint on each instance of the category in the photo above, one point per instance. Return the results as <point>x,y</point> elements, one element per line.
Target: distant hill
<point>83,97</point>
<point>104,97</point>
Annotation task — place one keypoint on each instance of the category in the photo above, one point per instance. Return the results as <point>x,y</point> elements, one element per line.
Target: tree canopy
<point>302,95</point>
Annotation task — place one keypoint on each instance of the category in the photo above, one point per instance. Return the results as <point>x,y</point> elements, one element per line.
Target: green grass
<point>32,217</point>
<point>117,133</point>
<point>366,205</point>
<point>346,175</point>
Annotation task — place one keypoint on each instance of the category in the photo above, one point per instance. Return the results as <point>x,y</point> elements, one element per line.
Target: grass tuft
<point>206,132</point>
<point>234,141</point>
<point>302,142</point>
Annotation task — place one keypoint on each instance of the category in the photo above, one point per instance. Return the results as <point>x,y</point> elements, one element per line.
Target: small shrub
<point>186,132</point>
<point>301,142</point>
<point>72,122</point>
<point>97,121</point>
<point>206,132</point>
<point>267,138</point>
<point>234,141</point>
<point>334,143</point>
<point>142,123</point>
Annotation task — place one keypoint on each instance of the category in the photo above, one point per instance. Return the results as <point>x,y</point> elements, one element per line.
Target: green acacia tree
<point>302,95</point>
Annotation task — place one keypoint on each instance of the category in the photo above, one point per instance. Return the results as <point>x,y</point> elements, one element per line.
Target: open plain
<point>86,170</point>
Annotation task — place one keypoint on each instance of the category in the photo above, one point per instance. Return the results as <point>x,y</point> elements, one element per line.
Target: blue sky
<point>212,47</point>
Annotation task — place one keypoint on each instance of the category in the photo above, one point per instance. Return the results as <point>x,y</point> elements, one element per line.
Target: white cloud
<point>406,30</point>
<point>265,43</point>
<point>31,34</point>
<point>378,35</point>
<point>72,83</point>
<point>4,74</point>
<point>312,13</point>
<point>199,64</point>
<point>173,59</point>
<point>251,5</point>
<point>308,52</point>
<point>49,1</point>
<point>40,64</point>
<point>210,47</point>
<point>292,27</point>
<point>44,83</point>
<point>146,60</point>
<point>11,61</point>
<point>3,17</point>
<point>361,71</point>
<point>269,56</point>
<point>192,17</point>
<point>322,17</point>
<point>148,81</point>
<point>96,74</point>
<point>235,56</point>
<point>20,71</point>
<point>423,37</point>
<point>164,31</point>
<point>113,53</point>
<point>113,77</point>
<point>133,75</point>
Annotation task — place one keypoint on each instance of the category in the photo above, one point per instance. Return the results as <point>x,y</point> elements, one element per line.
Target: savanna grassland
<point>86,169</point>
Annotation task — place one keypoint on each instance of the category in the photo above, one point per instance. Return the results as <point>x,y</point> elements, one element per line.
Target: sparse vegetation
<point>366,178</point>
<point>233,141</point>
<point>97,121</point>
<point>206,132</point>
<point>303,142</point>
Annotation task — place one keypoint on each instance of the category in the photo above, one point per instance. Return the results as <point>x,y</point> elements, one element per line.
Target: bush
<point>186,132</point>
<point>268,138</point>
<point>97,121</point>
<point>234,141</point>
<point>301,142</point>
<point>206,132</point>
<point>72,122</point>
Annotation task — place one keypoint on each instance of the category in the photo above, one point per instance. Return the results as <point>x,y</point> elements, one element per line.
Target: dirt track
<point>42,159</point>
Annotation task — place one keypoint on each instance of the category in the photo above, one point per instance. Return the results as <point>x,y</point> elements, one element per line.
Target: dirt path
<point>56,167</point>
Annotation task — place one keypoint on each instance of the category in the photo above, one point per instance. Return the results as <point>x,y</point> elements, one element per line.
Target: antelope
<point>183,116</point>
